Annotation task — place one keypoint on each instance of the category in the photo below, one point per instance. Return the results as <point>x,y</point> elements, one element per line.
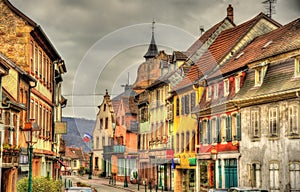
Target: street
<point>100,184</point>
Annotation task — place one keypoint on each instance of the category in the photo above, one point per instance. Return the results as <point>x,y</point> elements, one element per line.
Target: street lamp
<point>31,139</point>
<point>125,176</point>
<point>91,165</point>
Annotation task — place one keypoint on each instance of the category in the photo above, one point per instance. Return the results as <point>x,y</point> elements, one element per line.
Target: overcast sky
<point>102,41</point>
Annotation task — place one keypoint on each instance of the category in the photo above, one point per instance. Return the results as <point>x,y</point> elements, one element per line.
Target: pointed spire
<point>152,50</point>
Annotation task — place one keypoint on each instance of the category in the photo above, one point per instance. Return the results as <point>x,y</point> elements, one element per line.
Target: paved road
<point>101,185</point>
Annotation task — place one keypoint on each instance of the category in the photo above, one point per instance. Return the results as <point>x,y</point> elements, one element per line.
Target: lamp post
<point>91,166</point>
<point>125,176</point>
<point>30,128</point>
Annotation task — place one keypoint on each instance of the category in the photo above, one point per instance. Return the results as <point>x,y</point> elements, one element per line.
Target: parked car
<point>79,189</point>
<point>245,189</point>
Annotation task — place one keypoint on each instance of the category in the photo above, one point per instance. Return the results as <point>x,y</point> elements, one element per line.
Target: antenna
<point>201,28</point>
<point>270,6</point>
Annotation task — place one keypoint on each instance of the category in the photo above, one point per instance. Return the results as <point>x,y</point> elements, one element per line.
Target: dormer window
<point>226,87</point>
<point>297,67</point>
<point>260,72</point>
<point>216,91</point>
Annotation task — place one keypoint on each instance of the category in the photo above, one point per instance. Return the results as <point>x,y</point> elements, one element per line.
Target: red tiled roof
<point>218,50</point>
<point>203,38</point>
<point>277,43</point>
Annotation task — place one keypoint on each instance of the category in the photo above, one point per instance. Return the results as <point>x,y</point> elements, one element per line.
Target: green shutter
<point>238,127</point>
<point>228,128</point>
<point>218,133</point>
<point>209,132</point>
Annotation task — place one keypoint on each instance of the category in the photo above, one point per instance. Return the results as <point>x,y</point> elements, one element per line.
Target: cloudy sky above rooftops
<point>103,41</point>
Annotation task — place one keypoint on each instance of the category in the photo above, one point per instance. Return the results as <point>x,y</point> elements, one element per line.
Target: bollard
<point>70,183</point>
<point>162,188</point>
<point>156,188</point>
<point>145,187</point>
<point>65,182</point>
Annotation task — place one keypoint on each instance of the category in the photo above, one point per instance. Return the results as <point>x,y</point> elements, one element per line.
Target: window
<point>157,98</point>
<point>237,83</point>
<point>31,56</point>
<point>260,73</point>
<point>187,140</point>
<point>97,143</point>
<point>121,167</point>
<point>273,121</point>
<point>293,119</point>
<point>274,176</point>
<point>254,123</point>
<point>177,106</point>
<point>208,93</point>
<point>216,91</point>
<point>182,142</point>
<point>106,122</point>
<point>203,131</point>
<point>223,128</point>
<point>255,175</point>
<point>177,143</point>
<point>75,163</point>
<point>182,105</point>
<point>214,132</point>
<point>297,67</point>
<point>187,104</point>
<point>294,172</point>
<point>144,114</point>
<point>101,123</point>
<point>193,100</point>
<point>193,147</point>
<point>226,87</point>
<point>103,141</point>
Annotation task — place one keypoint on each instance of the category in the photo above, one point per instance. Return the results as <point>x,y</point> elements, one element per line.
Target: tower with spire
<point>152,49</point>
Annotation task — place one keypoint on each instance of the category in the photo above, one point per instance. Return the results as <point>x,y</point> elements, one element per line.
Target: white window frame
<point>255,123</point>
<point>293,119</point>
<point>237,83</point>
<point>273,120</point>
<point>274,176</point>
<point>294,176</point>
<point>297,67</point>
<point>216,90</point>
<point>226,87</point>
<point>208,92</point>
<point>255,174</point>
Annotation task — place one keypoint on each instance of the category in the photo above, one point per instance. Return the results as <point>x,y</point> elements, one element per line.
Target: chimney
<point>230,12</point>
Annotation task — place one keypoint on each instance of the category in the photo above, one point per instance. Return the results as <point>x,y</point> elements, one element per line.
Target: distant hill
<point>76,127</point>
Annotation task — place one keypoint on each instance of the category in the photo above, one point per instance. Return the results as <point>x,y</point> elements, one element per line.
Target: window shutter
<point>209,132</point>
<point>238,127</point>
<point>218,134</point>
<point>228,128</point>
<point>200,132</point>
<point>187,104</point>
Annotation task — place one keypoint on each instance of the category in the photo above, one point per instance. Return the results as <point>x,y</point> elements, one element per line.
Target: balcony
<point>111,149</point>
<point>10,157</point>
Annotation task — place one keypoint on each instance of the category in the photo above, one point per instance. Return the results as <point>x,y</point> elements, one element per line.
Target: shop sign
<point>192,161</point>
